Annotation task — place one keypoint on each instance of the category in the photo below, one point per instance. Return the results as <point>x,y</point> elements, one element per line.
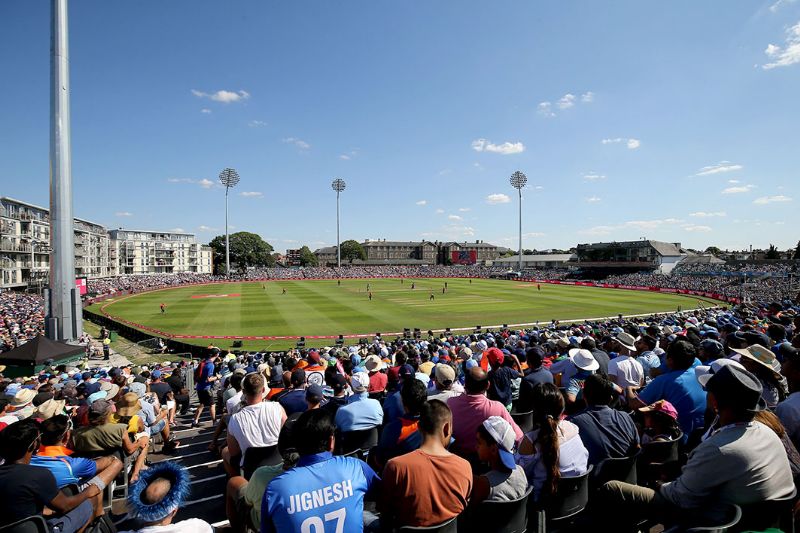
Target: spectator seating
<point>32,524</point>
<point>570,499</point>
<point>733,514</point>
<point>451,526</point>
<point>616,469</point>
<point>499,517</point>
<point>658,459</point>
<point>255,457</point>
<point>775,514</point>
<point>363,440</point>
<point>524,420</point>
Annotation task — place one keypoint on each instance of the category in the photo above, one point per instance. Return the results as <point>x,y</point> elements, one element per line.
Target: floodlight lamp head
<point>338,185</point>
<point>518,180</point>
<point>229,178</point>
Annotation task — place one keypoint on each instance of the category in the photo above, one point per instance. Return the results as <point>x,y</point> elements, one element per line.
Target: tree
<point>247,250</point>
<point>352,250</point>
<point>772,253</point>
<point>713,250</point>
<point>307,257</point>
<point>797,252</point>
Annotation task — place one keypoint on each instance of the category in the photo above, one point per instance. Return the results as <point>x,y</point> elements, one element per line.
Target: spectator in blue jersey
<point>401,435</point>
<point>294,400</point>
<point>361,411</point>
<point>678,386</point>
<point>205,378</point>
<point>323,492</point>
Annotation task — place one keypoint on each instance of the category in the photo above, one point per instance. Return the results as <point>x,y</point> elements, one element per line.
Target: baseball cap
<point>359,382</point>
<point>156,374</point>
<point>445,374</point>
<point>504,436</point>
<point>314,393</point>
<point>338,382</point>
<point>138,388</point>
<point>100,407</point>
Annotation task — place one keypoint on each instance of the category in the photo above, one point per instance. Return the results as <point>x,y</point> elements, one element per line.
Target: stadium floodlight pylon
<point>338,185</point>
<point>518,181</point>
<point>229,178</point>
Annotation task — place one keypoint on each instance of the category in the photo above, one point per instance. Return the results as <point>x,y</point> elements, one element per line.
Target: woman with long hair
<point>554,447</point>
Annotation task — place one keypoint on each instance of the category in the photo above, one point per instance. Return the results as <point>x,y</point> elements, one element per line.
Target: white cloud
<point>639,225</point>
<point>532,235</point>
<point>177,230</point>
<point>204,183</point>
<point>651,224</point>
<point>631,143</point>
<point>454,218</point>
<point>739,189</point>
<point>788,54</point>
<point>719,168</point>
<point>593,199</point>
<point>422,202</point>
<point>204,228</point>
<point>538,188</point>
<point>695,228</point>
<point>483,145</point>
<point>597,231</point>
<point>566,101</point>
<point>734,181</point>
<point>256,123</point>
<point>477,165</point>
<point>464,209</point>
<point>498,198</point>
<point>587,97</point>
<point>779,4</point>
<point>299,143</point>
<point>344,157</point>
<point>123,214</point>
<point>252,194</point>
<point>764,200</point>
<point>223,96</point>
<point>706,214</point>
<point>205,111</point>
<point>440,211</point>
<point>545,109</point>
<point>593,176</point>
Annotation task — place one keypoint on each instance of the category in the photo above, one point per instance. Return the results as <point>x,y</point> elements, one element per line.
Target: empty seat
<point>357,440</point>
<point>523,420</point>
<point>32,524</point>
<point>499,517</point>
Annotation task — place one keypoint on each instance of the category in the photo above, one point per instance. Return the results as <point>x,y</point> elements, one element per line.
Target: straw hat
<point>129,405</point>
<point>22,398</point>
<point>49,409</point>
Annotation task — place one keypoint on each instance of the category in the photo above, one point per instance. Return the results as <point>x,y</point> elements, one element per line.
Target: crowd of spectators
<point>21,319</point>
<point>482,417</point>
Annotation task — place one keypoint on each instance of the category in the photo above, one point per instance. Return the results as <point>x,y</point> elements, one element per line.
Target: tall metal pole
<point>518,181</point>
<point>63,310</point>
<point>338,185</point>
<point>338,246</point>
<point>227,242</point>
<point>229,178</point>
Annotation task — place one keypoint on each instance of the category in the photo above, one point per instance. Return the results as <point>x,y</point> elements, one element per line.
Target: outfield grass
<point>325,308</point>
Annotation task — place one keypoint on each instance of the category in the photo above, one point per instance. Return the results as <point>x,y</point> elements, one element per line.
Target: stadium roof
<point>368,243</point>
<point>537,258</point>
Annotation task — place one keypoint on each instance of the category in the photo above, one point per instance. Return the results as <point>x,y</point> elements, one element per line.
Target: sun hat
<point>22,398</point>
<point>359,382</point>
<point>626,340</point>
<point>100,407</point>
<point>49,409</point>
<point>583,359</point>
<point>178,477</point>
<point>704,372</point>
<point>763,356</point>
<point>423,377</point>
<point>129,405</point>
<point>373,363</point>
<point>661,406</point>
<point>504,436</point>
<point>445,375</point>
<point>95,396</point>
<point>737,387</point>
<point>137,388</point>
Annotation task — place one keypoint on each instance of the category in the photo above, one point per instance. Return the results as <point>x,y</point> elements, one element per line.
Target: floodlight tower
<point>228,178</point>
<point>63,315</point>
<point>518,181</point>
<point>338,185</point>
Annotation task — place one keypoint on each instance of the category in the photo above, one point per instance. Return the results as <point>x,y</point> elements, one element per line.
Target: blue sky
<point>675,121</point>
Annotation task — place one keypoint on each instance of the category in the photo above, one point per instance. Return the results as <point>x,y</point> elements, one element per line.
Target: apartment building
<point>157,252</point>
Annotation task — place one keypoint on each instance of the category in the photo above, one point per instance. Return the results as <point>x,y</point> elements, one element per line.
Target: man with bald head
<point>471,409</point>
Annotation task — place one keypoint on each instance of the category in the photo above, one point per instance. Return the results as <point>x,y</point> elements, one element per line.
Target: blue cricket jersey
<point>322,494</point>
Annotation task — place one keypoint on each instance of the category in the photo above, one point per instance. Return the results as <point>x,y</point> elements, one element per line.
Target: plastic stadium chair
<point>733,513</point>
<point>445,527</point>
<point>777,514</point>
<point>523,420</point>
<point>659,459</point>
<point>616,469</point>
<point>559,509</point>
<point>364,440</point>
<point>32,524</point>
<point>499,517</point>
<point>259,456</point>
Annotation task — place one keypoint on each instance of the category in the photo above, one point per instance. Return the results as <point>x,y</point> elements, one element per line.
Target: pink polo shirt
<point>469,412</point>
